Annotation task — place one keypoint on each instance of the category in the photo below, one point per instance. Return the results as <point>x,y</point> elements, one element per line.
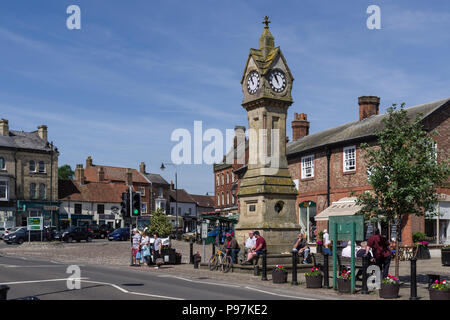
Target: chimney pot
<point>368,106</point>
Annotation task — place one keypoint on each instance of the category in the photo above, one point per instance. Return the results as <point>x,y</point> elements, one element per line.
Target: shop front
<point>7,214</point>
<point>437,224</point>
<point>46,209</point>
<point>79,220</point>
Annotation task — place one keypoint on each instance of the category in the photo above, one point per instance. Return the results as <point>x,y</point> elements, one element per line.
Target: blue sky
<point>137,70</point>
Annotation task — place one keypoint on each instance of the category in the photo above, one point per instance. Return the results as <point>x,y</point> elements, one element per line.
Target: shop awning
<point>344,207</point>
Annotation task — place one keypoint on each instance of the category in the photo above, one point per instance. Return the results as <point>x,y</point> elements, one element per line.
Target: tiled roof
<point>182,196</point>
<point>156,178</point>
<point>112,174</point>
<point>91,191</point>
<point>203,200</point>
<point>365,128</point>
<point>24,140</point>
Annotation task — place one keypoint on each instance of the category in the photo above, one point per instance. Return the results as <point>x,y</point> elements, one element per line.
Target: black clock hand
<point>276,78</point>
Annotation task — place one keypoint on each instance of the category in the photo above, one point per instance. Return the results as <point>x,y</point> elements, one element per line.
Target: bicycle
<point>220,259</point>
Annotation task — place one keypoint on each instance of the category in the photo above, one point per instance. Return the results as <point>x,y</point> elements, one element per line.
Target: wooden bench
<point>342,262</point>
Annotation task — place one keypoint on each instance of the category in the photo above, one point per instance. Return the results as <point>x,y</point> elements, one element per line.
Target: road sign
<point>34,223</point>
<point>204,230</point>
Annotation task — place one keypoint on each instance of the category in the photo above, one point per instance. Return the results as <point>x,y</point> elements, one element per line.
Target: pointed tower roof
<point>266,41</point>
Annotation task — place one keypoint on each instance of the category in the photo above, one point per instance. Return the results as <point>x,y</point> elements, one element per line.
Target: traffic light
<point>125,205</point>
<point>136,204</point>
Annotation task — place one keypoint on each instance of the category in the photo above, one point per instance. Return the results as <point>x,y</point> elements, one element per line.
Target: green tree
<point>65,172</point>
<point>403,171</point>
<point>160,222</point>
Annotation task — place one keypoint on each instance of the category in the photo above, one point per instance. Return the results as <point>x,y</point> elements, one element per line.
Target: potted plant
<point>389,287</point>
<point>313,278</point>
<point>344,282</point>
<point>445,256</point>
<point>421,250</point>
<point>440,290</point>
<point>279,274</point>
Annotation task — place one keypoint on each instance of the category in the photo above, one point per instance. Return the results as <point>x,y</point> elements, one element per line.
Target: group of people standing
<point>142,248</point>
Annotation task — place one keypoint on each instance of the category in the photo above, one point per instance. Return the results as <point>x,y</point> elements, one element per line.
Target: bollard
<point>413,295</point>
<point>326,276</point>
<point>256,270</point>
<point>294,267</point>
<point>365,264</point>
<point>191,252</point>
<point>264,266</point>
<point>3,292</point>
<point>213,248</point>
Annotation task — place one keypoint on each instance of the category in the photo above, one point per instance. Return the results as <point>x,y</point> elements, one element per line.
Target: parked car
<point>4,232</point>
<point>74,233</point>
<point>120,234</point>
<point>20,234</point>
<point>50,232</point>
<point>100,232</point>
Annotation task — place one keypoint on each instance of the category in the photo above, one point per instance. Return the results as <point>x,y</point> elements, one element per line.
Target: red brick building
<point>227,175</point>
<point>329,165</point>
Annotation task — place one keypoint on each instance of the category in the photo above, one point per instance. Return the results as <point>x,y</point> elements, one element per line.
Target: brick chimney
<point>129,177</point>
<point>88,162</point>
<point>368,106</point>
<point>142,167</point>
<point>101,174</point>
<point>42,132</point>
<point>300,126</point>
<point>4,127</point>
<point>171,185</point>
<point>79,174</point>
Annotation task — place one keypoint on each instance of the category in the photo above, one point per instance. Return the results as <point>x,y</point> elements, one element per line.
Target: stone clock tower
<point>267,193</point>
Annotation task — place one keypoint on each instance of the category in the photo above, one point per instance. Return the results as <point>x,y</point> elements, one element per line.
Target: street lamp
<point>176,193</point>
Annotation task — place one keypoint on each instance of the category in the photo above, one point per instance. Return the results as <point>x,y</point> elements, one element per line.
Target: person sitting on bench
<point>257,250</point>
<point>302,247</point>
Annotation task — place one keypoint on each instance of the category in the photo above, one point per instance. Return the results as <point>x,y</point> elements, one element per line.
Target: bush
<point>418,236</point>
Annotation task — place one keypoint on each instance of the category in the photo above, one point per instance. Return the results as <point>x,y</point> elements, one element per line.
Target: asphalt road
<point>49,280</point>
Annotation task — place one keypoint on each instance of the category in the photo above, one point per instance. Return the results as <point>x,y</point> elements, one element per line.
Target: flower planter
<point>313,281</point>
<point>439,294</point>
<point>422,252</point>
<point>344,285</point>
<point>389,291</point>
<point>445,257</point>
<point>279,276</point>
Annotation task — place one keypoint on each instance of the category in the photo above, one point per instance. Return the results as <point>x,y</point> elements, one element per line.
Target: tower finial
<point>266,22</point>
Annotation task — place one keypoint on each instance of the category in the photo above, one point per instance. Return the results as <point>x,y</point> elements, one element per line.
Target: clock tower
<point>267,194</point>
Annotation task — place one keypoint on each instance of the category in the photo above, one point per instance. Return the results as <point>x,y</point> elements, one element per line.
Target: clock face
<point>277,81</point>
<point>252,82</point>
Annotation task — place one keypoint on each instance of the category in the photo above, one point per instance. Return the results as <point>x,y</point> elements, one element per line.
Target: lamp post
<point>176,193</point>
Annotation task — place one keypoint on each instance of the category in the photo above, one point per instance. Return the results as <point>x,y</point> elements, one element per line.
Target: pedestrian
<point>326,243</point>
<point>381,251</point>
<point>231,246</point>
<point>248,244</point>
<point>347,251</point>
<point>145,247</point>
<point>157,244</point>
<point>257,250</point>
<point>136,240</point>
<point>301,245</point>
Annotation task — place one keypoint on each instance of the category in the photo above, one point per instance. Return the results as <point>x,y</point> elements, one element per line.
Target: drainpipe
<point>328,152</point>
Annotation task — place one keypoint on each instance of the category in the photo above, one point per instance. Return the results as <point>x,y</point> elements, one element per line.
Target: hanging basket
<point>279,276</point>
<point>314,281</point>
<point>389,290</point>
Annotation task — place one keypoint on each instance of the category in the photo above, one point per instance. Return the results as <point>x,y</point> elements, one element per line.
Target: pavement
<point>106,274</point>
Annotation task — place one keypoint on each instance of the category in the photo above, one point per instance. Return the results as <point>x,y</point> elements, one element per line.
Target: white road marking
<point>38,281</point>
<point>280,295</point>
<point>196,281</point>
<point>95,282</point>
<point>35,266</point>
